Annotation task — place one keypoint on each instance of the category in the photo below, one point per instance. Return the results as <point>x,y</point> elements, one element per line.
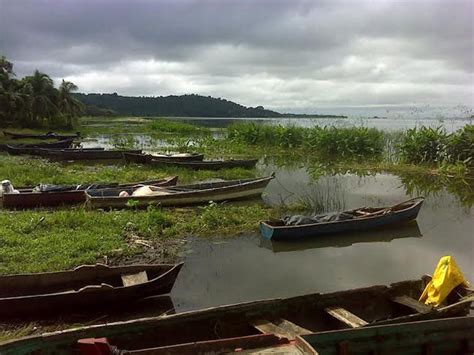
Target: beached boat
<point>207,164</point>
<point>86,154</point>
<point>441,336</point>
<point>44,152</point>
<point>359,219</point>
<point>183,195</point>
<point>72,194</point>
<point>288,318</point>
<point>31,148</point>
<point>82,288</point>
<point>49,135</point>
<point>147,158</point>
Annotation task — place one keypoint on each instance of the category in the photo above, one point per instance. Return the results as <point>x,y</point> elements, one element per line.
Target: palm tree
<point>69,106</point>
<point>42,96</point>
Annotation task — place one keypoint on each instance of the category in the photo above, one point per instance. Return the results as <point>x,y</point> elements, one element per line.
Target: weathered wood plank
<point>292,328</point>
<point>413,304</point>
<point>346,317</point>
<point>135,279</point>
<point>266,327</point>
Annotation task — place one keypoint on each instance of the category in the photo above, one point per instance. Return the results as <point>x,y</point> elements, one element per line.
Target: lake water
<point>220,271</point>
<point>244,268</point>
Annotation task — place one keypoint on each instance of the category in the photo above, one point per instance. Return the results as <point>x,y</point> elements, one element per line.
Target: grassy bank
<point>42,240</point>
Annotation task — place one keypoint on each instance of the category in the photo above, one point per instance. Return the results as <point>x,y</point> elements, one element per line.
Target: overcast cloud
<point>293,55</point>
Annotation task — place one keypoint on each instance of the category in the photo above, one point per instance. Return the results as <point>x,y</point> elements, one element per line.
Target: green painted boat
<point>289,318</point>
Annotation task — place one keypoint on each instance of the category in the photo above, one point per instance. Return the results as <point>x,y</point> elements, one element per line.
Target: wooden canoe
<point>146,158</point>
<point>18,149</point>
<point>407,229</point>
<point>183,195</point>
<point>364,219</point>
<point>207,164</point>
<point>26,295</point>
<point>27,198</point>
<point>289,318</point>
<point>86,154</point>
<point>441,336</point>
<point>49,135</point>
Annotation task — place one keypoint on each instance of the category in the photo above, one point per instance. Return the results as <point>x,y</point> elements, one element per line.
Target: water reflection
<point>322,189</point>
<point>387,234</point>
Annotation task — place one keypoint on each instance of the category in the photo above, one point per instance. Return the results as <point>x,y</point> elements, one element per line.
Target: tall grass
<point>434,145</point>
<point>163,125</point>
<point>346,142</point>
<point>331,141</point>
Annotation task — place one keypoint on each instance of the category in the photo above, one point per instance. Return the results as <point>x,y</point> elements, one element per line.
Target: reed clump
<point>163,125</point>
<point>331,141</point>
<point>435,145</point>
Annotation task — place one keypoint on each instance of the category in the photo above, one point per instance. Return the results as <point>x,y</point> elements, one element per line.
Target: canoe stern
<point>266,230</point>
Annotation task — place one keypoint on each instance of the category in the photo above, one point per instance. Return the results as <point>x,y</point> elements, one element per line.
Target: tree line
<point>33,101</point>
<point>173,105</point>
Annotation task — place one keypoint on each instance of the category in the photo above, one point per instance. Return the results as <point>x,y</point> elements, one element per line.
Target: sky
<point>290,56</point>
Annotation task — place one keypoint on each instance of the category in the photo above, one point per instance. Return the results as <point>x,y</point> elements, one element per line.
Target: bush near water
<point>417,145</point>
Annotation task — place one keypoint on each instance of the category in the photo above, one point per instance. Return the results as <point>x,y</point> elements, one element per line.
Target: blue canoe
<point>363,219</point>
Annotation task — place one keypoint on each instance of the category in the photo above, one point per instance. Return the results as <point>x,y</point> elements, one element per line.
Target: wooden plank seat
<point>280,327</point>
<point>134,279</point>
<point>413,304</point>
<point>346,317</point>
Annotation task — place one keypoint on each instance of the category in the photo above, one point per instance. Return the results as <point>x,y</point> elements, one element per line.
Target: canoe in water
<point>67,195</point>
<point>360,219</point>
<point>185,195</point>
<point>84,287</point>
<point>147,158</point>
<point>289,318</point>
<point>207,164</point>
<point>49,135</point>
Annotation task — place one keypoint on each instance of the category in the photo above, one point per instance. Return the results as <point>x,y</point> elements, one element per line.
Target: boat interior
<point>82,276</point>
<point>285,318</point>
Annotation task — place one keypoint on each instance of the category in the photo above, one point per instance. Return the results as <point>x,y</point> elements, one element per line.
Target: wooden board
<point>413,304</point>
<point>135,279</point>
<point>292,328</point>
<point>267,327</point>
<point>346,317</point>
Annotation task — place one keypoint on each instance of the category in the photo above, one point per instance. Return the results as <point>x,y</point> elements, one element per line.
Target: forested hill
<point>178,106</point>
<point>185,105</point>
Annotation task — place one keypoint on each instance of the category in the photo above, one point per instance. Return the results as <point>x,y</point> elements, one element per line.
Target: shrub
<point>423,145</point>
<point>460,146</point>
<point>346,142</point>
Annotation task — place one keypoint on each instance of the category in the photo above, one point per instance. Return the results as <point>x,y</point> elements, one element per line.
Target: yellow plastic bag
<point>446,277</point>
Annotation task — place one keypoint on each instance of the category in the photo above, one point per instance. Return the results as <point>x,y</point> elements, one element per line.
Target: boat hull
<point>40,136</point>
<point>147,158</point>
<point>30,199</point>
<point>270,232</point>
<point>31,148</point>
<point>372,304</point>
<point>207,165</point>
<point>234,190</point>
<point>85,154</point>
<point>85,298</point>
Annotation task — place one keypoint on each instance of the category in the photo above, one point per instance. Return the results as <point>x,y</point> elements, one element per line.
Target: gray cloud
<point>295,55</point>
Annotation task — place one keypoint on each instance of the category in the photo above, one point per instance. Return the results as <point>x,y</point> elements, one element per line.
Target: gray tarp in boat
<point>299,220</point>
